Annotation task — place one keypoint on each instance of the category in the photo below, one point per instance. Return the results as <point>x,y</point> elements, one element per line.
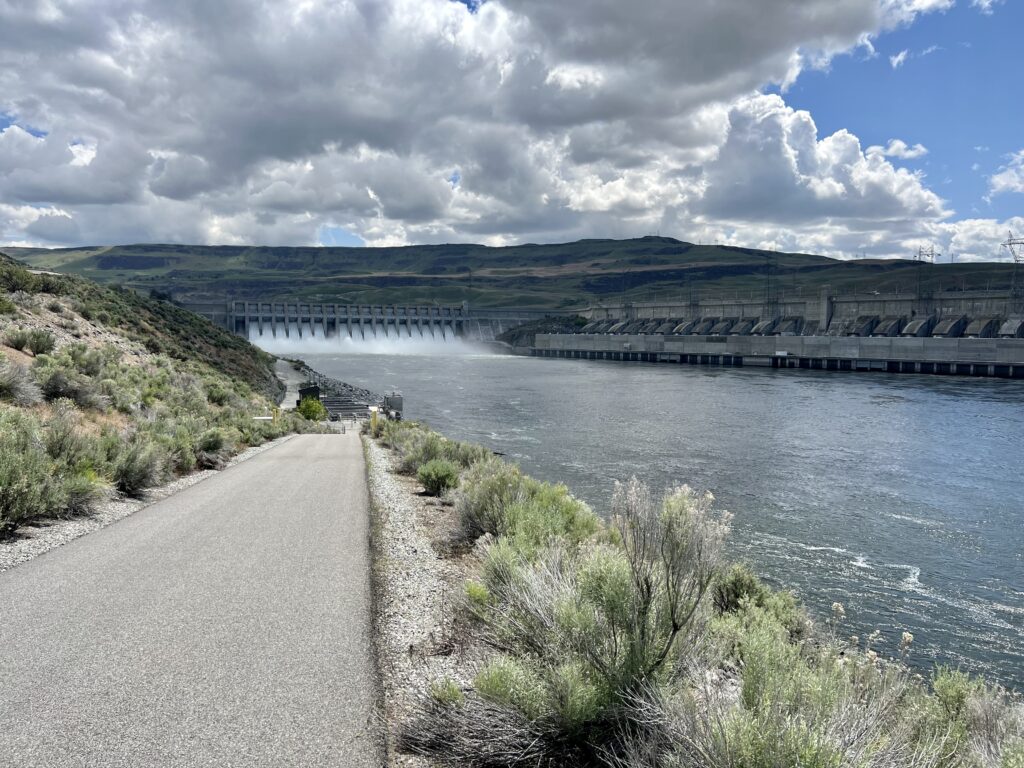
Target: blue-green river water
<point>900,496</point>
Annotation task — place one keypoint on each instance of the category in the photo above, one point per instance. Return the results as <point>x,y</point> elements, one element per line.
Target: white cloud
<point>1010,177</point>
<point>985,6</point>
<point>978,239</point>
<point>900,149</point>
<point>245,121</point>
<point>899,59</point>
<point>82,154</point>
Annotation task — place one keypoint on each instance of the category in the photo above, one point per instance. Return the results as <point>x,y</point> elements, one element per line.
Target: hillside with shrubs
<point>635,643</point>
<point>104,392</point>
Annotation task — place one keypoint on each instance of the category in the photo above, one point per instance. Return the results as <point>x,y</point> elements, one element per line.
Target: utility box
<point>393,405</point>
<point>310,390</point>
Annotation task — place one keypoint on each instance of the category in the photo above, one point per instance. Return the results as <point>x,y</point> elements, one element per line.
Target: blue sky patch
<point>948,82</point>
<point>339,236</point>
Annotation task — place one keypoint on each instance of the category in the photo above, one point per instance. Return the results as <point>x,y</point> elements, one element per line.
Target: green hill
<point>160,326</point>
<point>106,392</point>
<point>549,276</point>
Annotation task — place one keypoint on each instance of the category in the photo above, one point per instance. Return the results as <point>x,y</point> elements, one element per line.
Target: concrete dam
<point>305,320</point>
<point>969,333</point>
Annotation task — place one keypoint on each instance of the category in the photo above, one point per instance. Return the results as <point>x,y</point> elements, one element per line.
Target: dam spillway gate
<point>302,320</point>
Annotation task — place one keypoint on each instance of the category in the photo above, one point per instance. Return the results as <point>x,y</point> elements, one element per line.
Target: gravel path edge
<point>415,592</point>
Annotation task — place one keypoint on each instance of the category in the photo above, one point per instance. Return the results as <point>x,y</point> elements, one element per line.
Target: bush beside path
<point>518,629</point>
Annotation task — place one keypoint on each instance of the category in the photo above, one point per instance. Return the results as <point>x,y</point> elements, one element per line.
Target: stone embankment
<point>418,586</point>
<point>333,386</point>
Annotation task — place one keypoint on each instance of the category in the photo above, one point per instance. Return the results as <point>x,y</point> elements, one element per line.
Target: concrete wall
<point>823,308</point>
<point>852,348</point>
<point>992,357</point>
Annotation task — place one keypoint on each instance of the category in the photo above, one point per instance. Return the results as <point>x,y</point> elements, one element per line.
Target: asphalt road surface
<point>228,625</point>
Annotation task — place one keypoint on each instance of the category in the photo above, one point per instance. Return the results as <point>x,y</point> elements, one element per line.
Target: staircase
<point>342,407</point>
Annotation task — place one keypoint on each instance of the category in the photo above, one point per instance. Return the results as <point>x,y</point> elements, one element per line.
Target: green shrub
<point>588,625</point>
<point>544,512</point>
<point>212,449</point>
<point>509,682</point>
<point>82,491</point>
<point>438,476</point>
<point>466,454</point>
<point>7,307</point>
<point>217,394</point>
<point>17,385</point>
<point>137,467</point>
<point>312,409</point>
<point>182,450</point>
<point>735,586</point>
<point>487,489</point>
<point>1013,754</point>
<point>609,650</point>
<point>495,497</point>
<point>14,278</point>
<point>447,693</point>
<point>212,440</point>
<point>477,595</point>
<point>90,362</point>
<point>66,444</point>
<point>419,447</point>
<point>59,383</point>
<point>17,338</point>
<point>55,306</point>
<point>739,587</point>
<point>27,488</point>
<point>40,342</point>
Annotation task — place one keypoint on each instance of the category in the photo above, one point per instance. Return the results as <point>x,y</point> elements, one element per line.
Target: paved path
<point>228,625</point>
<point>292,381</point>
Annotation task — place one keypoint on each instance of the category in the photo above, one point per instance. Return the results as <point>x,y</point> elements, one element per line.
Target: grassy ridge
<point>635,644</point>
<point>104,392</point>
<point>551,276</point>
<point>160,326</point>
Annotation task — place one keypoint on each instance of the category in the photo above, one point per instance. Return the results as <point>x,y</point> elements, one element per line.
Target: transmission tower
<point>1015,245</point>
<point>925,255</point>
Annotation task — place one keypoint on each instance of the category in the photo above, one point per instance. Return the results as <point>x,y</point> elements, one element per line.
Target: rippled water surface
<point>900,496</point>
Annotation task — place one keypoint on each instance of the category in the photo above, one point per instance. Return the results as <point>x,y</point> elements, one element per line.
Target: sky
<point>850,128</point>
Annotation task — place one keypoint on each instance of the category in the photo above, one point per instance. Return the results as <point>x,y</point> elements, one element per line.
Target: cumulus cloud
<point>250,122</point>
<point>899,59</point>
<point>1010,177</point>
<point>900,150</point>
<point>774,167</point>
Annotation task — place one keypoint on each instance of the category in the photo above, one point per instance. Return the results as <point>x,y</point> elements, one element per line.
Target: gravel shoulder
<point>417,592</point>
<point>36,539</point>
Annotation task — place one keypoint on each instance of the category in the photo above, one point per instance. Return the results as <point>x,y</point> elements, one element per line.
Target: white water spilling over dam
<point>287,325</point>
<point>371,339</point>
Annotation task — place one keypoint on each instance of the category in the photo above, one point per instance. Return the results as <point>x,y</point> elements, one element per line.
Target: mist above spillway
<point>374,340</point>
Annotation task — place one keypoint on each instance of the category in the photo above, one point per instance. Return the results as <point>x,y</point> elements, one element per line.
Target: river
<point>901,497</point>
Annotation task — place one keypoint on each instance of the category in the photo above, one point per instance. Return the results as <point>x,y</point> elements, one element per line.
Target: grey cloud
<point>244,121</point>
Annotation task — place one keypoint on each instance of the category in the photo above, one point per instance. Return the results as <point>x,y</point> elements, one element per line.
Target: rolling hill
<point>548,276</point>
